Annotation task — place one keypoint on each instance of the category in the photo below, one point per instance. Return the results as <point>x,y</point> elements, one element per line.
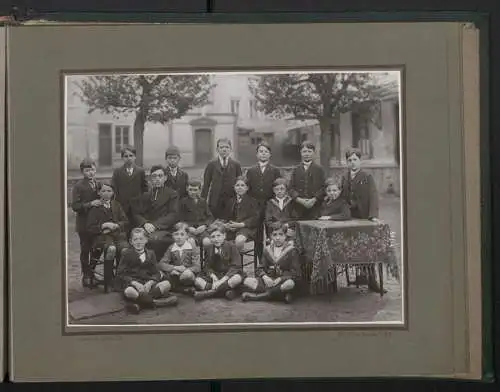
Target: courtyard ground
<point>349,304</point>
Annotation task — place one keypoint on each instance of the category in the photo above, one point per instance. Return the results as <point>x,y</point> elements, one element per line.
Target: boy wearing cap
<point>177,179</point>
<point>84,196</point>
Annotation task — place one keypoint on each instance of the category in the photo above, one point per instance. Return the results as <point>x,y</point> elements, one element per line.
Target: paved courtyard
<point>349,304</point>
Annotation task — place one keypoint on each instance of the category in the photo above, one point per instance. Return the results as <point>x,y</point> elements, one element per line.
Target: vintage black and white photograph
<point>234,198</point>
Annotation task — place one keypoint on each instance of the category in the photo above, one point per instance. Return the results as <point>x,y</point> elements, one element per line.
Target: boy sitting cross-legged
<point>139,277</point>
<point>181,262</point>
<point>279,270</point>
<point>222,272</point>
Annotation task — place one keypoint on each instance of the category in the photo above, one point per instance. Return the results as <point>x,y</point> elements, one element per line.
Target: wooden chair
<point>104,271</point>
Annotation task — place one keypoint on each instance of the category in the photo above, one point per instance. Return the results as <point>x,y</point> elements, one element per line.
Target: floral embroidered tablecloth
<point>327,244</point>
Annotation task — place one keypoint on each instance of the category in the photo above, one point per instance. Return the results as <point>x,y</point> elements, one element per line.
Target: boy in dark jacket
<point>177,179</point>
<point>279,270</point>
<point>139,277</point>
<point>280,208</point>
<point>157,212</point>
<point>107,223</point>
<point>260,179</point>
<point>358,188</point>
<point>85,196</point>
<point>194,211</point>
<point>222,272</point>
<point>219,178</point>
<point>242,215</point>
<point>129,181</point>
<point>334,207</point>
<point>307,184</point>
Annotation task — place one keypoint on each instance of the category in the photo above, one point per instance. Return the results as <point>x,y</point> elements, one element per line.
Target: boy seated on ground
<point>278,272</point>
<point>195,212</point>
<point>107,222</point>
<point>222,272</point>
<point>334,207</point>
<point>139,277</point>
<point>181,262</point>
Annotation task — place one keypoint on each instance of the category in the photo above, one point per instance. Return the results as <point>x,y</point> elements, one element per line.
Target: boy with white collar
<point>181,262</point>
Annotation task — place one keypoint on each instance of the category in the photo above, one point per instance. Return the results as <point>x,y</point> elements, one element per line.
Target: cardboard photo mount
<point>442,336</point>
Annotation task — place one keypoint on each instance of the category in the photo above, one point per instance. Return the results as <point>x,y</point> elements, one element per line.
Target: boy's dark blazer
<point>131,268</point>
<point>82,195</point>
<point>129,187</point>
<point>229,262</point>
<point>337,209</point>
<point>178,183</point>
<point>260,185</point>
<point>246,212</point>
<point>361,194</point>
<point>307,184</point>
<point>195,214</point>
<point>274,214</point>
<point>161,213</point>
<point>99,215</point>
<point>214,186</point>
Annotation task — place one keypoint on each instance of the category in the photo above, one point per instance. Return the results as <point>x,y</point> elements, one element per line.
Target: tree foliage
<point>152,98</point>
<point>319,96</point>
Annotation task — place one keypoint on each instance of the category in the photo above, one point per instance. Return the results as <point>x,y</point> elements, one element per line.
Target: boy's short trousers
<point>262,287</point>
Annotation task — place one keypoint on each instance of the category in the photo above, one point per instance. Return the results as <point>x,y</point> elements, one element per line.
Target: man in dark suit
<point>129,181</point>
<point>260,180</point>
<point>156,211</point>
<point>84,196</point>
<point>307,185</point>
<point>177,179</point>
<point>219,179</point>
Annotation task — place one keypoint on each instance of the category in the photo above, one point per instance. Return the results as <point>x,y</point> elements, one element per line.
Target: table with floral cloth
<point>331,246</point>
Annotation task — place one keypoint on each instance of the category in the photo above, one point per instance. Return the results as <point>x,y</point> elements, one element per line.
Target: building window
<point>253,108</point>
<point>256,140</point>
<point>235,105</point>
<point>122,133</point>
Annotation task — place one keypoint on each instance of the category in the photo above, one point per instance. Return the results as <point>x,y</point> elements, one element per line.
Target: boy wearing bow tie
<point>177,179</point>
<point>107,223</point>
<point>307,184</point>
<point>222,272</point>
<point>219,178</point>
<point>139,278</point>
<point>129,180</point>
<point>181,262</point>
<point>84,196</point>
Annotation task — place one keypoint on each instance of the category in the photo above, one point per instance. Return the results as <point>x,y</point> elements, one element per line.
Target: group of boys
<point>168,220</point>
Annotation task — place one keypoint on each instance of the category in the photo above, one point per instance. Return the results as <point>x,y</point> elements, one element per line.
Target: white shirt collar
<point>106,204</point>
<point>307,164</point>
<point>221,160</point>
<point>173,170</point>
<point>185,246</point>
<point>130,170</point>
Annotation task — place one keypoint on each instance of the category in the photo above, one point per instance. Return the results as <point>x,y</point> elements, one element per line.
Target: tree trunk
<point>326,144</point>
<point>139,138</point>
<point>335,131</point>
